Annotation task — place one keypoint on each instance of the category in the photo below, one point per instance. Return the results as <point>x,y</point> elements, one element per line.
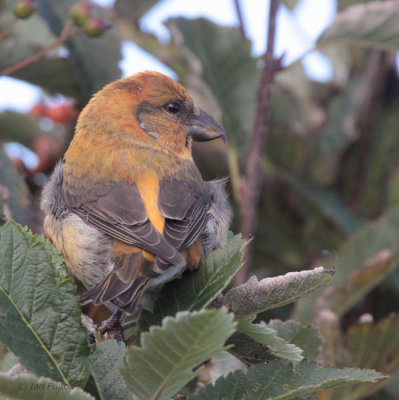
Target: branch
<point>65,35</point>
<point>241,26</point>
<point>6,31</point>
<point>252,179</point>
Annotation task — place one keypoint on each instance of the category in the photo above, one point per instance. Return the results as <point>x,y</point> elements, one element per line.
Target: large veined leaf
<point>40,318</point>
<point>164,363</point>
<point>373,25</point>
<point>268,337</point>
<point>195,290</point>
<point>360,261</point>
<point>32,388</point>
<point>281,381</point>
<point>106,360</point>
<point>256,296</point>
<point>228,69</point>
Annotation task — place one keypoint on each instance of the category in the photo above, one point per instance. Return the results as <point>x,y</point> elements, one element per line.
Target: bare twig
<point>65,35</point>
<point>241,26</point>
<point>252,180</point>
<point>6,31</point>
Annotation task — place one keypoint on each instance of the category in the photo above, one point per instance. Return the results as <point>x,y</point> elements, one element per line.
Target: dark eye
<point>173,107</point>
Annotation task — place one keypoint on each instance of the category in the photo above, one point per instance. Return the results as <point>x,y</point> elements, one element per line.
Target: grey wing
<point>184,204</point>
<point>119,212</point>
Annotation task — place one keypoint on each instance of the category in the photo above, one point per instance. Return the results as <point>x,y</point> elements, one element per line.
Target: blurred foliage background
<point>330,174</point>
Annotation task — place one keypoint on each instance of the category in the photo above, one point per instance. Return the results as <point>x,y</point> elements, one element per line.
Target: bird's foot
<point>113,326</point>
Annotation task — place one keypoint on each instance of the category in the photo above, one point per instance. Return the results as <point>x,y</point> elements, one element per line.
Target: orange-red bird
<point>127,206</point>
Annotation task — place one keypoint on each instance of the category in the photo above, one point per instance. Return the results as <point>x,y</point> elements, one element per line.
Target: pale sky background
<point>296,34</point>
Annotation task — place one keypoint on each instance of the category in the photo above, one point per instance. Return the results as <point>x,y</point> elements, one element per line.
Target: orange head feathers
<point>146,110</point>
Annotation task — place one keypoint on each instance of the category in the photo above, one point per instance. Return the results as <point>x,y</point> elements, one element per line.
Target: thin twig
<point>241,26</point>
<point>6,31</point>
<point>252,181</point>
<point>66,34</point>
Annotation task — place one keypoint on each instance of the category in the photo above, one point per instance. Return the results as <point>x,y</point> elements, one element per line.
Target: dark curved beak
<point>203,127</point>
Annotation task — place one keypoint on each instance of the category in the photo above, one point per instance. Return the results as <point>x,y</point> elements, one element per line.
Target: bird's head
<point>152,109</point>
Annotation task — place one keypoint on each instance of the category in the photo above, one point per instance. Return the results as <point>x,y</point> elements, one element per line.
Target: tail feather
<point>125,286</point>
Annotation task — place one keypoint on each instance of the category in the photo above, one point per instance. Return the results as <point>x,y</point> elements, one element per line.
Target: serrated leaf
<point>280,381</point>
<point>14,194</point>
<point>40,318</point>
<point>195,290</point>
<point>165,362</point>
<point>372,345</point>
<point>372,25</point>
<point>223,363</point>
<point>357,253</point>
<point>105,361</point>
<point>305,337</point>
<point>32,388</point>
<point>256,296</point>
<point>268,337</point>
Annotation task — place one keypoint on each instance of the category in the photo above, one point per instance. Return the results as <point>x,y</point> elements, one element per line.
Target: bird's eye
<point>173,107</point>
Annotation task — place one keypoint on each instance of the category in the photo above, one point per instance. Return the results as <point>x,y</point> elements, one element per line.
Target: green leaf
<point>268,337</point>
<point>195,290</point>
<point>256,296</point>
<point>305,337</point>
<point>372,345</point>
<point>280,381</point>
<point>8,361</point>
<point>360,282</point>
<point>20,43</point>
<point>106,360</point>
<point>362,251</point>
<point>372,25</point>
<point>223,363</point>
<point>14,194</point>
<point>53,73</point>
<point>327,202</point>
<point>227,68</point>
<point>32,388</point>
<point>95,60</point>
<point>134,10</point>
<point>40,318</point>
<point>165,362</point>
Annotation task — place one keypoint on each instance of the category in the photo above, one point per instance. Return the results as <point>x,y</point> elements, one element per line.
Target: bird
<point>127,205</point>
